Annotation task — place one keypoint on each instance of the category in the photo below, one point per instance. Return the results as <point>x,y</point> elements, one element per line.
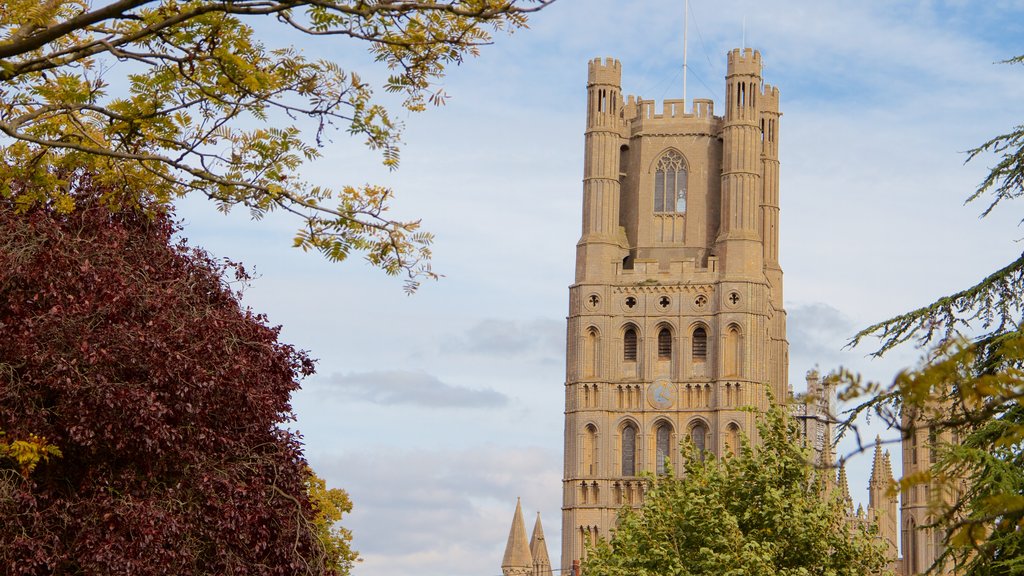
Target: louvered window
<point>700,345</point>
<point>629,345</point>
<point>664,344</point>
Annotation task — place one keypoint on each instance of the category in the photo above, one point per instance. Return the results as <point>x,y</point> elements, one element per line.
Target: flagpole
<point>686,29</point>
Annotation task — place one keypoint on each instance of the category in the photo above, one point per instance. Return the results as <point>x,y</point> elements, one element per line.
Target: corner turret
<point>602,242</point>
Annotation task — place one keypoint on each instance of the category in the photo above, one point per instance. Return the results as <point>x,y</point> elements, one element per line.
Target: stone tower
<point>921,543</point>
<point>675,318</point>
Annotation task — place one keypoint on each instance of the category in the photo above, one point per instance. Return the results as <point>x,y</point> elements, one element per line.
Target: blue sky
<point>436,411</point>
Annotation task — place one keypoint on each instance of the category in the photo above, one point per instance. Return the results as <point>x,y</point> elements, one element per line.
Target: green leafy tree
<point>329,505</point>
<point>762,512</point>
<point>971,390</point>
<point>181,96</point>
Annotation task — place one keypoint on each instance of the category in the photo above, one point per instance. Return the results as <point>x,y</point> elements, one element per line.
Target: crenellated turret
<point>739,236</point>
<point>602,242</point>
<point>770,114</point>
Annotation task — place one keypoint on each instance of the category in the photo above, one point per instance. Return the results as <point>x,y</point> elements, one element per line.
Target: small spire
<point>539,550</point>
<point>878,465</point>
<point>517,558</point>
<point>887,462</point>
<point>844,485</point>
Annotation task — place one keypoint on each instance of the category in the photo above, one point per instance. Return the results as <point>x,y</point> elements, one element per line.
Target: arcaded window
<point>629,345</point>
<point>629,450</point>
<point>670,183</point>
<point>699,434</point>
<point>662,445</point>
<point>700,345</point>
<point>665,344</point>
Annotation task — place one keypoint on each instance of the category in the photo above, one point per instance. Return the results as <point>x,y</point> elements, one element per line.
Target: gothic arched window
<point>670,183</point>
<point>629,345</point>
<point>629,450</point>
<point>662,444</point>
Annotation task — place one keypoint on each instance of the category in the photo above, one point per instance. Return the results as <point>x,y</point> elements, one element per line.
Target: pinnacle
<point>878,464</point>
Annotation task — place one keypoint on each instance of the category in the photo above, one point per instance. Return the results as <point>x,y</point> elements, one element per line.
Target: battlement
<point>747,62</point>
<point>643,115</point>
<point>604,71</point>
<point>770,98</point>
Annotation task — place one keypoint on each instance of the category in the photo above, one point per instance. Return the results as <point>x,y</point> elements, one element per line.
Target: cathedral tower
<point>675,318</point>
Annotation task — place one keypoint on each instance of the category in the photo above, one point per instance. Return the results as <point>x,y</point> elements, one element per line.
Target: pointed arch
<point>670,182</point>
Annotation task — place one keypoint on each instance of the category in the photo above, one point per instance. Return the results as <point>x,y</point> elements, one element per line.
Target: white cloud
<point>443,512</point>
<point>399,387</point>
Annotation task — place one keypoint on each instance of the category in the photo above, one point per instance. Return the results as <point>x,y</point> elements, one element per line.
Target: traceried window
<point>629,345</point>
<point>670,183</point>
<point>629,450</point>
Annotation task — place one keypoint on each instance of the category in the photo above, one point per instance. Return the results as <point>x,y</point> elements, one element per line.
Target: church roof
<point>517,551</point>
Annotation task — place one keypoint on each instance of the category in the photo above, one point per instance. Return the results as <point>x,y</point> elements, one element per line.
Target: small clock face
<point>661,394</point>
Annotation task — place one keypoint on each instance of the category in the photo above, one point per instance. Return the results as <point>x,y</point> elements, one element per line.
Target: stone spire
<point>844,486</point>
<point>517,560</point>
<point>878,468</point>
<point>882,499</point>
<point>539,551</point>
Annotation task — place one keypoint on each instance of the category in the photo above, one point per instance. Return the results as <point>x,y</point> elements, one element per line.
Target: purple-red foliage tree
<point>130,352</point>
